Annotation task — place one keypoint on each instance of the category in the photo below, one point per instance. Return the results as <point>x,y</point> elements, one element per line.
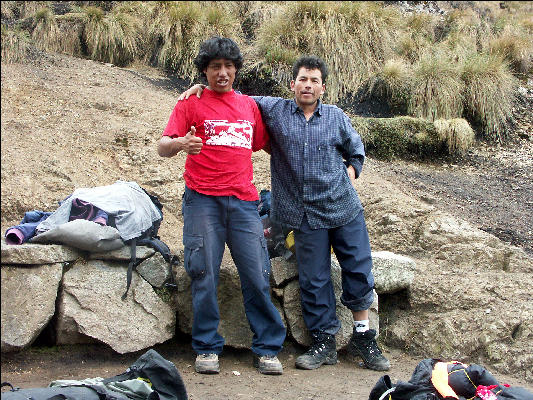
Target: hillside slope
<point>70,123</point>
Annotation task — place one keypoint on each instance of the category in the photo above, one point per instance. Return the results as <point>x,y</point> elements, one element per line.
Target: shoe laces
<point>372,348</point>
<point>207,356</point>
<point>317,347</point>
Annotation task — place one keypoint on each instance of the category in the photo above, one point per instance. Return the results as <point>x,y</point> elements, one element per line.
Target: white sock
<point>361,326</point>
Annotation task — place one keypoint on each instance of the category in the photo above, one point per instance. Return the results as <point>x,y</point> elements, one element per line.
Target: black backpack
<point>162,375</point>
<point>151,239</point>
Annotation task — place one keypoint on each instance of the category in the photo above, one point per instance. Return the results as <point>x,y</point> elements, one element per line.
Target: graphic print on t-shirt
<point>225,133</point>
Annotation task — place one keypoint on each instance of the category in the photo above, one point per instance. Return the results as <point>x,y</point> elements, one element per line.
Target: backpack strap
<point>131,266</point>
<point>158,245</point>
<point>13,388</point>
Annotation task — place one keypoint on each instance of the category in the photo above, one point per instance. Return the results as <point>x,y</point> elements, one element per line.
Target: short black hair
<point>217,47</point>
<point>310,62</point>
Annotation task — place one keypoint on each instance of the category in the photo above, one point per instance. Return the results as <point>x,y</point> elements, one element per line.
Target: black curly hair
<point>310,62</point>
<point>217,47</point>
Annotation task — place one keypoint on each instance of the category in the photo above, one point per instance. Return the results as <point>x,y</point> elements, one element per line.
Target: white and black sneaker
<point>268,364</point>
<point>207,364</point>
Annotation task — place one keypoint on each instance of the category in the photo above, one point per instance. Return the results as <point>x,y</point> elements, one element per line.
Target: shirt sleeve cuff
<point>357,163</point>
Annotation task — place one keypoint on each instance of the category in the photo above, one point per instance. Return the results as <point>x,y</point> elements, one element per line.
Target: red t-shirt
<point>231,127</point>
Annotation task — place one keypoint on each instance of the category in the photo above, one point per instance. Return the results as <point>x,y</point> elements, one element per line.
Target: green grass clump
<point>399,137</point>
<point>413,138</point>
<point>489,94</point>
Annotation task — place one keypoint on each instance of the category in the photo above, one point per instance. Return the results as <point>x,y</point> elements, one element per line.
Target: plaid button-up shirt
<point>307,166</point>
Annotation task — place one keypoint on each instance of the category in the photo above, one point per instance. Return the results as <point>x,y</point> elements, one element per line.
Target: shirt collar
<point>295,107</point>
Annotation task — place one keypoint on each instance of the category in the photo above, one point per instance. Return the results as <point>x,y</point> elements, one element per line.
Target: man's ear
<point>323,89</point>
<point>292,86</point>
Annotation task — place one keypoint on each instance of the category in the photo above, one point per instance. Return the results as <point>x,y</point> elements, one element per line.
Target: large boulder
<point>470,298</point>
<point>458,243</point>
<point>28,302</point>
<point>90,304</point>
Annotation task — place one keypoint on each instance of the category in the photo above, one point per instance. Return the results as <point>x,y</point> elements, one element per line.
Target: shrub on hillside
<point>111,37</point>
<point>436,89</point>
<point>361,34</point>
<point>175,31</point>
<point>46,34</point>
<point>489,94</point>
<point>15,44</point>
<point>399,137</point>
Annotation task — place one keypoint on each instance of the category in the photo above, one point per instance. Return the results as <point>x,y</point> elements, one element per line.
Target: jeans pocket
<point>194,256</point>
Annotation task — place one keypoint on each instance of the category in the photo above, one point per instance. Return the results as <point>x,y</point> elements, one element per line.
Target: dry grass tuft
<point>361,34</point>
<point>456,133</point>
<point>70,33</point>
<point>15,44</point>
<point>516,46</point>
<point>391,84</point>
<point>21,9</point>
<point>489,94</point>
<point>46,34</point>
<point>436,89</point>
<point>175,31</point>
<point>111,38</point>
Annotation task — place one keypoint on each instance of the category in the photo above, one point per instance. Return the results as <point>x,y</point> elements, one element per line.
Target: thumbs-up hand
<point>192,144</point>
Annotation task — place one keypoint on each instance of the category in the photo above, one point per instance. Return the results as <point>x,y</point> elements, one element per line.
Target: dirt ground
<point>69,123</point>
<point>237,379</point>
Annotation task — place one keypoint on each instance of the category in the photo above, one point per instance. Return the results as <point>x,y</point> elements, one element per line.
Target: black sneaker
<point>363,344</point>
<point>268,364</point>
<point>322,351</point>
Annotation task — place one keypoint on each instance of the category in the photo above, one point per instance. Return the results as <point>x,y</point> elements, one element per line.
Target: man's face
<point>308,86</point>
<point>220,75</point>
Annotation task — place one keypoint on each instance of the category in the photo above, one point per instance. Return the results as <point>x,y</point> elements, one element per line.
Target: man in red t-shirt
<point>219,132</point>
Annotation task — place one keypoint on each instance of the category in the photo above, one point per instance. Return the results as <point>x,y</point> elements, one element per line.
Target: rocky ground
<point>69,123</point>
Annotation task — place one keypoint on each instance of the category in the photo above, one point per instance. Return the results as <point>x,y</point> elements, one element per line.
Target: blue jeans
<point>313,254</point>
<point>209,223</point>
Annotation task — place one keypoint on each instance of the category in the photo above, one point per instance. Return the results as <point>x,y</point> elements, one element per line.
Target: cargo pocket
<point>194,256</point>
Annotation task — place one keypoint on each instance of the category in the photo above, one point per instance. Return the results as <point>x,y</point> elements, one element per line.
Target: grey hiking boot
<point>268,364</point>
<point>363,344</point>
<point>207,364</point>
<point>322,351</point>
